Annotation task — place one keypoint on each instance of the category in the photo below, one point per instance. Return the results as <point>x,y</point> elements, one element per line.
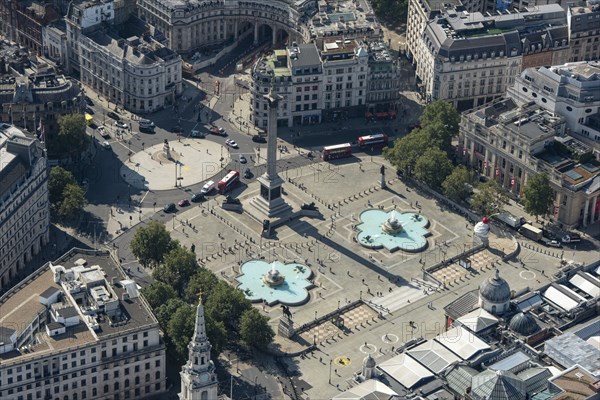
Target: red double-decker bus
<point>377,140</point>
<point>228,182</point>
<point>337,151</point>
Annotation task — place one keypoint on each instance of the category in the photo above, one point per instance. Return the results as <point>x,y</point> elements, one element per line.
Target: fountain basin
<point>393,230</point>
<point>292,290</point>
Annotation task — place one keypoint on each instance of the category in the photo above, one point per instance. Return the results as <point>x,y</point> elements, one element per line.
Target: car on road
<point>248,174</point>
<point>552,243</point>
<point>171,207</point>
<point>121,125</point>
<point>176,129</point>
<point>259,139</point>
<point>183,203</point>
<point>231,143</point>
<point>198,197</point>
<point>89,101</point>
<point>215,130</point>
<point>103,132</point>
<point>208,187</point>
<point>197,134</point>
<point>243,159</point>
<point>89,111</point>
<point>106,145</point>
<point>113,115</point>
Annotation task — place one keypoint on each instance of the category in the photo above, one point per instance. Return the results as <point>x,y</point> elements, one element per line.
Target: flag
<point>512,181</point>
<point>484,164</point>
<point>497,171</point>
<point>39,128</point>
<point>465,151</point>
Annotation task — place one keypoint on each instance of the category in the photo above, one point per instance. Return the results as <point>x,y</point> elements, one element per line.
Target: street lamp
<point>315,315</point>
<point>330,362</point>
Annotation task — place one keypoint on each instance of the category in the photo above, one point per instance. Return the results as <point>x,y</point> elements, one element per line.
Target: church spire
<point>198,377</point>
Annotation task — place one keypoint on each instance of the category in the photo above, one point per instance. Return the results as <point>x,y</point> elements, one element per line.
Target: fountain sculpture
<point>273,277</point>
<point>392,225</point>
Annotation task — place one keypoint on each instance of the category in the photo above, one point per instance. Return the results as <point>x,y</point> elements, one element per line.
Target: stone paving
<point>390,284</point>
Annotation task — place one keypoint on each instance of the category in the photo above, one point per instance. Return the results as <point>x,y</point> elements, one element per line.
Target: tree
<point>58,180</point>
<point>217,334</point>
<point>391,11</point>
<point>151,243</point>
<point>73,201</point>
<point>489,199</point>
<point>407,150</point>
<point>255,329</point>
<point>180,330</point>
<point>443,112</point>
<point>203,280</point>
<point>456,184</point>
<point>165,311</point>
<point>433,167</point>
<point>539,195</point>
<point>72,139</point>
<point>179,264</point>
<point>158,293</point>
<point>440,136</point>
<point>227,304</point>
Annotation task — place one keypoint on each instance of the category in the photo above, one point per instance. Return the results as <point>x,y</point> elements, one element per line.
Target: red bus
<point>337,151</point>
<point>378,140</point>
<point>228,182</point>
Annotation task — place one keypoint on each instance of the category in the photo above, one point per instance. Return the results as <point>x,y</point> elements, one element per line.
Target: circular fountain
<point>406,231</point>
<point>392,225</point>
<point>273,277</point>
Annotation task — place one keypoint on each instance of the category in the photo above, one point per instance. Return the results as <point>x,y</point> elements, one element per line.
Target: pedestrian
<point>363,281</point>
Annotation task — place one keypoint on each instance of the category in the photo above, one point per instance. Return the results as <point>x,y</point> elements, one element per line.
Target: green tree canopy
<point>58,180</point>
<point>255,329</point>
<point>407,150</point>
<point>489,199</point>
<point>158,293</point>
<point>165,311</point>
<point>73,202</point>
<point>455,185</point>
<point>442,112</point>
<point>432,167</point>
<point>178,265</point>
<point>203,280</point>
<point>227,304</point>
<point>391,11</point>
<point>72,139</point>
<point>150,244</point>
<point>539,195</point>
<point>217,334</point>
<point>180,330</point>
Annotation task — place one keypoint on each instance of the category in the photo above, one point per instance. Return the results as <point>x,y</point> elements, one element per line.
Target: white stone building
<point>137,73</point>
<point>24,205</point>
<point>570,90</point>
<point>329,80</point>
<point>80,330</point>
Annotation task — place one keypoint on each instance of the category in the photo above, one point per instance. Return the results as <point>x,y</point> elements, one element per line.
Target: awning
<point>382,115</point>
<point>368,115</point>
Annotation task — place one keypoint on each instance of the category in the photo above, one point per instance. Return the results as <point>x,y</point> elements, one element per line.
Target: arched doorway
<point>262,33</point>
<point>280,39</point>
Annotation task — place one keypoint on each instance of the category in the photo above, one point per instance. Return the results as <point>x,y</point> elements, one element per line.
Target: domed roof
<point>523,324</point>
<point>495,289</point>
<point>369,362</point>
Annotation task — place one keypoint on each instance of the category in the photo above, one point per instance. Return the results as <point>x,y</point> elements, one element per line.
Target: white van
<point>208,187</point>
<point>146,124</point>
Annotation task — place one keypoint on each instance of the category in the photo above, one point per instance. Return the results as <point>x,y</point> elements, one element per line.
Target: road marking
<point>390,338</point>
<point>527,275</point>
<point>368,348</point>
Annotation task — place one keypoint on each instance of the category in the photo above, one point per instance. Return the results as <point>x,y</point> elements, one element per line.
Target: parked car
<point>259,139</point>
<point>89,101</point>
<point>231,143</point>
<point>184,203</point>
<point>197,134</point>
<point>89,111</point>
<point>198,197</point>
<point>243,159</point>
<point>552,243</point>
<point>176,129</point>
<point>113,115</point>
<point>171,207</point>
<point>121,125</point>
<point>106,145</point>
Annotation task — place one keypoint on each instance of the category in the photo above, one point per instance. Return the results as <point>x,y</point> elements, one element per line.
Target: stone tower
<point>198,377</point>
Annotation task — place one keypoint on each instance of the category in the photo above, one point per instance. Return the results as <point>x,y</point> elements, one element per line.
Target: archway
<point>262,33</point>
<point>280,38</point>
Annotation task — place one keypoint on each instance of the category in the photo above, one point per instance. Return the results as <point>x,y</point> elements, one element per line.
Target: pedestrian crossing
<point>397,299</point>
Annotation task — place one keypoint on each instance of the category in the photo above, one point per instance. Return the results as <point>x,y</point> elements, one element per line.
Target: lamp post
<point>176,162</point>
<point>330,362</point>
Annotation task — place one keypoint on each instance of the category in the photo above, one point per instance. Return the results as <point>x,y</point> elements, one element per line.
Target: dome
<point>523,324</point>
<point>369,362</point>
<point>495,289</point>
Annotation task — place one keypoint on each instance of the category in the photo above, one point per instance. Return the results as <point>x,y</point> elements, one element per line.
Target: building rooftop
<point>344,18</point>
<point>575,383</point>
<point>95,290</point>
